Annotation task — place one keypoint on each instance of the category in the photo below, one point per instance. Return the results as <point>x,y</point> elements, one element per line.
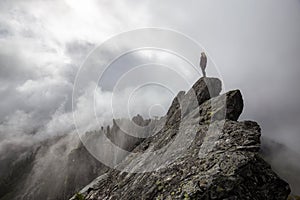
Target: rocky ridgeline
<point>200,151</point>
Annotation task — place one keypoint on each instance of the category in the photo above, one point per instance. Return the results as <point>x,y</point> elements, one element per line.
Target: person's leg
<point>203,72</point>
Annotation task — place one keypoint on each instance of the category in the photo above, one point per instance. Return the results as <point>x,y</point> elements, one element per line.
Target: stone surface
<point>200,152</point>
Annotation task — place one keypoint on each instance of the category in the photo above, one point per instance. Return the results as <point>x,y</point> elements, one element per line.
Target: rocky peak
<point>201,152</point>
<point>139,120</point>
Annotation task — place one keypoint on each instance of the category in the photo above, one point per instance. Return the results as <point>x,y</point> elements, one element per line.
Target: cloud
<point>42,45</point>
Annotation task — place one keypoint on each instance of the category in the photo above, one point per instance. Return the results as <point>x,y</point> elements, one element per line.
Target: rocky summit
<point>200,151</point>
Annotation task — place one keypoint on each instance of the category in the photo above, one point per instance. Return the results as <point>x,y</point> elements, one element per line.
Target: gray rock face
<point>201,152</point>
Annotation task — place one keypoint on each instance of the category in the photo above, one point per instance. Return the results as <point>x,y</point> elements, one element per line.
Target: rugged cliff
<point>200,151</point>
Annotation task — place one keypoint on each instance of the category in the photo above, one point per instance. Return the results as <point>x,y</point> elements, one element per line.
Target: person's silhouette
<point>203,62</point>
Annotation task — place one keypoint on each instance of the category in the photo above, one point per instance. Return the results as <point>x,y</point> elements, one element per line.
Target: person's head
<point>203,54</point>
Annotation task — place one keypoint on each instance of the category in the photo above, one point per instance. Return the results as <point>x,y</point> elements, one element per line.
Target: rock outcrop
<point>200,152</point>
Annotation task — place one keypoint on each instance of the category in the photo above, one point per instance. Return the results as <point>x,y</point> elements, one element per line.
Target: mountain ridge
<point>201,152</point>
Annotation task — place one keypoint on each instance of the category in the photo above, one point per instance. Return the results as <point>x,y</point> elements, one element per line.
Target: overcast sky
<point>255,45</point>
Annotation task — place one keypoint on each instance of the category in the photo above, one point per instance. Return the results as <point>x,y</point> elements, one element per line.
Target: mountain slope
<point>201,152</point>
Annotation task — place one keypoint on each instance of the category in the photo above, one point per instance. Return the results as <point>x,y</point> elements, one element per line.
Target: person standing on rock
<point>203,62</point>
